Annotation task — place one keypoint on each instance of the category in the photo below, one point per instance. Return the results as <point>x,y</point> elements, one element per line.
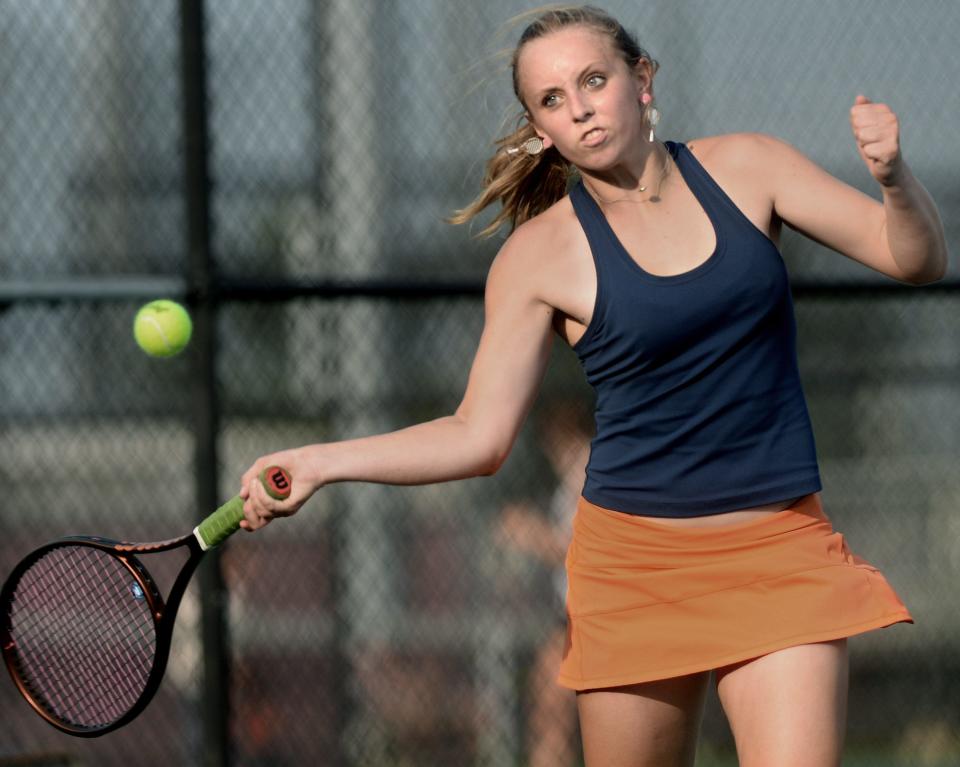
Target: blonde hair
<point>526,184</point>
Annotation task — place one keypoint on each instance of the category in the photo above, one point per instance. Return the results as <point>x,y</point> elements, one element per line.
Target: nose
<point>580,108</point>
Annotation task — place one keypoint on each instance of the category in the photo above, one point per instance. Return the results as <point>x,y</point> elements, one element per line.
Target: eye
<point>549,100</point>
<point>595,80</point>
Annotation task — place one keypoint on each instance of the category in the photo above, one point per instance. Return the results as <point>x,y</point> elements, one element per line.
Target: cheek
<point>628,103</point>
<point>551,126</point>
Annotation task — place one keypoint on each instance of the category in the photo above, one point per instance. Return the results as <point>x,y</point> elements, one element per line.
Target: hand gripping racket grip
<point>225,521</point>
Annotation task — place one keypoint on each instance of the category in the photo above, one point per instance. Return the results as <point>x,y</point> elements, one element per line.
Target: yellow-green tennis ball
<point>162,328</point>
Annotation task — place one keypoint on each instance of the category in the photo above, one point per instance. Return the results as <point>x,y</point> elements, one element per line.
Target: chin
<point>597,160</point>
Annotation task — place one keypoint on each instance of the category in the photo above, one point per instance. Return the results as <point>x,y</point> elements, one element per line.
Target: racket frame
<point>164,615</point>
<point>211,532</point>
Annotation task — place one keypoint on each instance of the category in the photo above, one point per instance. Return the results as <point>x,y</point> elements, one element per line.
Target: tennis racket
<point>86,634</point>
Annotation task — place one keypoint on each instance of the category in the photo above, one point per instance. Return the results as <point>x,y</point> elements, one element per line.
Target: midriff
<point>727,518</point>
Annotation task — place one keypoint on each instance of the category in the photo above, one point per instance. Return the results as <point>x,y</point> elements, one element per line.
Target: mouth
<point>593,137</point>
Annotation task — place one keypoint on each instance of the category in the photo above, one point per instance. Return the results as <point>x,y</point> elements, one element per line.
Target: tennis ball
<point>162,328</point>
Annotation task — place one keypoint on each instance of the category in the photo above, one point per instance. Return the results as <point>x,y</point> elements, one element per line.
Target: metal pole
<point>202,298</point>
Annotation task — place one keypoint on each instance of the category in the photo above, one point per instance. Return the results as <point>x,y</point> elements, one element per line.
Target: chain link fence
<point>417,626</point>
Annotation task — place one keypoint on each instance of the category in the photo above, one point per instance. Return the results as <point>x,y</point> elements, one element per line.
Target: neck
<point>637,180</point>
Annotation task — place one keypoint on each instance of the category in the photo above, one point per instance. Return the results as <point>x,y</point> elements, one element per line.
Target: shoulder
<point>536,247</point>
<point>548,231</point>
<point>750,161</point>
<point>742,151</point>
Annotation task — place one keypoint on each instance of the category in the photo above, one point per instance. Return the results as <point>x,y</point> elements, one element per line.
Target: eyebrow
<point>593,65</point>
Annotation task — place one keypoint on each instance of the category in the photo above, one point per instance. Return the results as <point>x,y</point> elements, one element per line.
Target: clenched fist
<point>877,131</point>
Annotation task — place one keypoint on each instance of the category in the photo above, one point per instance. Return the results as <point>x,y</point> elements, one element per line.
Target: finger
<point>250,519</point>
<point>874,135</point>
<point>885,163</point>
<point>253,512</point>
<point>861,99</point>
<point>872,112</point>
<point>258,497</point>
<point>252,527</point>
<point>883,130</point>
<point>245,481</point>
<point>882,135</point>
<point>867,117</point>
<point>269,506</point>
<point>880,151</point>
<point>885,145</point>
<point>883,117</point>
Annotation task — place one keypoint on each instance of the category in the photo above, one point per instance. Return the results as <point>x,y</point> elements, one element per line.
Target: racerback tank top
<point>699,408</point>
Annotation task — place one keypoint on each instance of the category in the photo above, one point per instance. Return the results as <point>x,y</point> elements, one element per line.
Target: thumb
<point>861,99</point>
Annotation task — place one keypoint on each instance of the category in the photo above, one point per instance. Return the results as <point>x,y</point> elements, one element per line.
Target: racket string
<point>84,634</point>
<point>64,666</point>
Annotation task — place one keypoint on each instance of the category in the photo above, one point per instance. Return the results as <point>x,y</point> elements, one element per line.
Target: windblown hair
<point>525,184</point>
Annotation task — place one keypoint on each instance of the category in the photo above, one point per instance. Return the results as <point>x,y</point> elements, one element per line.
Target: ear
<point>643,78</point>
<point>547,141</point>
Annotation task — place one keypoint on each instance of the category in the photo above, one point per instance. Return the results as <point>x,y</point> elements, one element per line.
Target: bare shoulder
<point>550,231</point>
<point>742,151</point>
<point>752,167</point>
<point>538,246</point>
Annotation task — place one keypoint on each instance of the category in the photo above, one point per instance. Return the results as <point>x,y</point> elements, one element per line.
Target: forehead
<point>561,55</point>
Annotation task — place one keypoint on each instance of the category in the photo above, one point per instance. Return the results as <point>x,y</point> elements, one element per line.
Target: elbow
<point>919,282</point>
<point>486,445</point>
<point>940,271</point>
<point>934,272</point>
<point>491,451</point>
<point>491,459</point>
<point>925,267</point>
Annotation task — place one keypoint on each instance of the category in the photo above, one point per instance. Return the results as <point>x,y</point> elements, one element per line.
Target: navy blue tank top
<point>699,404</point>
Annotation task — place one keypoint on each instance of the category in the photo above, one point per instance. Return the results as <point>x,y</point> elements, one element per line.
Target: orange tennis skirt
<point>647,601</point>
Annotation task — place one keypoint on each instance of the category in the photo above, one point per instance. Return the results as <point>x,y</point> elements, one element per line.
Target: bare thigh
<point>654,724</point>
<point>788,708</point>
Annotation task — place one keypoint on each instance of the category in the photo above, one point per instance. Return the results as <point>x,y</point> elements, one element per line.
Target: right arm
<point>504,378</point>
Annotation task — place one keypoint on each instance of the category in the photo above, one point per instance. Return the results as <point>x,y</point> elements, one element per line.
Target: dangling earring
<point>653,115</point>
<point>532,146</point>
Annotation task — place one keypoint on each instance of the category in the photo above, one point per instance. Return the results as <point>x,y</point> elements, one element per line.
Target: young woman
<point>699,544</point>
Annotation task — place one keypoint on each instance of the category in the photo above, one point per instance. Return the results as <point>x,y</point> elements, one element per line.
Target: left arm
<point>901,237</point>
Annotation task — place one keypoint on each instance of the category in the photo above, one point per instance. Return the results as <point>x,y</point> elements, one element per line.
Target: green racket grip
<point>220,525</point>
<point>225,521</point>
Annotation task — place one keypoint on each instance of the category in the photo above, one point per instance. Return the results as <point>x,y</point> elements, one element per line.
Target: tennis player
<point>700,543</point>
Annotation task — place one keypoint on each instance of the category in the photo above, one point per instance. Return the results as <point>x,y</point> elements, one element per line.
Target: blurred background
<point>283,167</point>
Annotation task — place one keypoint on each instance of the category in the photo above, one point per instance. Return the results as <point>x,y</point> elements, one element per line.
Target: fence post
<point>202,294</point>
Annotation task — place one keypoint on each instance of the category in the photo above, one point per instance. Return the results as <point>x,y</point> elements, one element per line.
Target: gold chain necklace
<point>655,197</point>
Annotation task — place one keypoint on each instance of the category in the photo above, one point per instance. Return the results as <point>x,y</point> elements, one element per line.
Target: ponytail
<point>525,184</point>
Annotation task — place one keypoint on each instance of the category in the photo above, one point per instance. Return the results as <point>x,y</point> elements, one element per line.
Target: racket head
<point>81,634</point>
